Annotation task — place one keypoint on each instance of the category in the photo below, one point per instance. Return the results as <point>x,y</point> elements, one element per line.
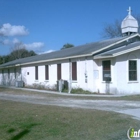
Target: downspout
<point>70,76</point>
<point>86,70</point>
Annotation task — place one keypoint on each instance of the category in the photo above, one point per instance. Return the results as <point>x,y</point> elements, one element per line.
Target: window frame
<point>133,70</point>
<point>59,70</point>
<point>46,72</point>
<point>3,73</point>
<point>74,71</point>
<point>15,72</point>
<point>36,72</point>
<point>8,73</point>
<point>103,78</point>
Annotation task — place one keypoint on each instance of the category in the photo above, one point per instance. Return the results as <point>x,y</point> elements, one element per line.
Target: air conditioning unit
<point>19,83</point>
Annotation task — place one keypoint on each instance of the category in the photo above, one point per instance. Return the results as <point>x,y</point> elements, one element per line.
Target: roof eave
<point>126,51</point>
<point>115,43</point>
<point>117,54</point>
<point>102,57</point>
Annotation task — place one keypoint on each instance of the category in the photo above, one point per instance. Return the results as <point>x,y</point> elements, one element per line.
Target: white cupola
<point>129,24</point>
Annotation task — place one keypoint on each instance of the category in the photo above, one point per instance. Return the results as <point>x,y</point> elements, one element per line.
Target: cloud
<point>9,30</point>
<point>10,42</point>
<point>34,46</point>
<point>15,41</point>
<point>6,42</point>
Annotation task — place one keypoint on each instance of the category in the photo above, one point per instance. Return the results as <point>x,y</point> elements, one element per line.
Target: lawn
<point>22,121</point>
<point>19,91</point>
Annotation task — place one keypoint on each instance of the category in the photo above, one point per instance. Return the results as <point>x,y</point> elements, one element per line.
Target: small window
<point>27,73</point>
<point>15,72</point>
<point>58,71</point>
<point>46,72</point>
<point>8,73</point>
<point>36,72</point>
<point>106,70</point>
<point>3,73</point>
<point>132,70</point>
<point>74,71</point>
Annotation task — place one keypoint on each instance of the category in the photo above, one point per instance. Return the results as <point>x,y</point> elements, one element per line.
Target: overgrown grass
<point>79,91</point>
<point>21,121</point>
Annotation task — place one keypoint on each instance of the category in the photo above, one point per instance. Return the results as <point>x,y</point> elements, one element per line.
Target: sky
<point>46,25</point>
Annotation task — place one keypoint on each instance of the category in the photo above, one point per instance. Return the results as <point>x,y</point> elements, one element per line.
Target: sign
<point>107,75</point>
<point>96,74</point>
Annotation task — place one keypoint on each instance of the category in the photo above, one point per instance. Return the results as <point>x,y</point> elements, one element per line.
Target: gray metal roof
<point>119,49</point>
<point>86,49</point>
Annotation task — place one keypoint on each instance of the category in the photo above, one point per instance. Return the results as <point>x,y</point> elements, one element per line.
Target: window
<point>46,72</point>
<point>106,70</point>
<point>2,73</point>
<point>15,72</point>
<point>74,71</point>
<point>132,70</point>
<point>36,72</point>
<point>58,71</point>
<point>8,73</point>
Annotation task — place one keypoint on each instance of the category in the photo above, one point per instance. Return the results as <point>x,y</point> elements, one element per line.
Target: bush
<point>42,86</point>
<point>38,86</point>
<point>80,91</point>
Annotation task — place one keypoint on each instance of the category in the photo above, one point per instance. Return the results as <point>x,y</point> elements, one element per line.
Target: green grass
<point>22,121</point>
<point>78,91</point>
<point>19,91</point>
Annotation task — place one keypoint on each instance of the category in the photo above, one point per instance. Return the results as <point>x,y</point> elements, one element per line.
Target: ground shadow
<point>22,133</point>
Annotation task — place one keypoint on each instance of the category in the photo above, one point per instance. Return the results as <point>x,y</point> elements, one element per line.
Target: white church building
<point>108,66</point>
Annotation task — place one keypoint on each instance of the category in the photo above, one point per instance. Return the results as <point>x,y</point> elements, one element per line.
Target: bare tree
<point>114,29</point>
<point>19,51</point>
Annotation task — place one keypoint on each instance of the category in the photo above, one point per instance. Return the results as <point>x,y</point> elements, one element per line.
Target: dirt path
<point>127,107</point>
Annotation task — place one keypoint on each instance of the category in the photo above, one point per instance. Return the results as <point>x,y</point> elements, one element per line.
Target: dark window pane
<point>132,65</point>
<point>36,72</point>
<point>8,73</point>
<point>132,70</point>
<point>46,72</point>
<point>74,71</point>
<point>132,75</point>
<point>106,70</point>
<point>106,65</point>
<point>15,72</point>
<point>58,71</point>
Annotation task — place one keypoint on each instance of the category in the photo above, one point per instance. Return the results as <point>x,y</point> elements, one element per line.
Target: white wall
<point>124,86</point>
<point>83,66</point>
<point>93,70</point>
<point>119,73</point>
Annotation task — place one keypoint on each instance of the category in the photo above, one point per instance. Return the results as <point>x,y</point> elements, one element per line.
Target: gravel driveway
<point>126,107</point>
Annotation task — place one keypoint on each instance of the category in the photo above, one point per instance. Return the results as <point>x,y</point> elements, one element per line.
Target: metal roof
<point>125,48</point>
<point>87,49</point>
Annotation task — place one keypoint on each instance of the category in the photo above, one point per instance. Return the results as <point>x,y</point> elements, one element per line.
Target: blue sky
<point>44,25</point>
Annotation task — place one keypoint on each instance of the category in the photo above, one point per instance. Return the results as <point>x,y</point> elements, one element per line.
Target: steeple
<point>129,24</point>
